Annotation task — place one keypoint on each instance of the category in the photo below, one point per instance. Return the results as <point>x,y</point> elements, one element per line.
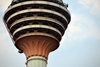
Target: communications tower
<point>36,27</point>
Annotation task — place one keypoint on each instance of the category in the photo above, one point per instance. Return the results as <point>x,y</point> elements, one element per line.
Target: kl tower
<point>36,27</point>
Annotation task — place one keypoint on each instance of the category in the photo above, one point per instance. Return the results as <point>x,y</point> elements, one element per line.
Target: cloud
<point>3,38</point>
<point>83,27</point>
<point>92,5</point>
<point>4,4</point>
<point>80,28</point>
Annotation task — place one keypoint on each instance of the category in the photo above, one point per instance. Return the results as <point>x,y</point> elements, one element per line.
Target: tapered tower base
<point>37,45</point>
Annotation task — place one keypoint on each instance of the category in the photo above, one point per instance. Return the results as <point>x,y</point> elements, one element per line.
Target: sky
<point>79,47</point>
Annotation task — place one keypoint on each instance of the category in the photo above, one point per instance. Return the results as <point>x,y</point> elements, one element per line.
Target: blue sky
<point>79,47</point>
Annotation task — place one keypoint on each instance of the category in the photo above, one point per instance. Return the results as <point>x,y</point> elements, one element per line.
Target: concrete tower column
<point>36,61</point>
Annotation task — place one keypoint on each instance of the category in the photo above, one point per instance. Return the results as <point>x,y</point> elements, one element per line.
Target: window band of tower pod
<point>36,10</point>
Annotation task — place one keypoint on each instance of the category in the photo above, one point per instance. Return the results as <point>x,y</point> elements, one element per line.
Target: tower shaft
<point>37,61</point>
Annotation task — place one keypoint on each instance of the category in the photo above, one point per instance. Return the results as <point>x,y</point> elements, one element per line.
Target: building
<point>36,27</point>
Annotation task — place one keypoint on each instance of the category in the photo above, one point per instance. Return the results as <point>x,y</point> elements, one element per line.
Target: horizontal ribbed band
<point>37,26</point>
<point>37,18</point>
<point>37,10</point>
<point>37,33</point>
<point>36,2</point>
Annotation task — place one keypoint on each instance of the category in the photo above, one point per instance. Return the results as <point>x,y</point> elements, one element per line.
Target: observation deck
<point>25,18</point>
